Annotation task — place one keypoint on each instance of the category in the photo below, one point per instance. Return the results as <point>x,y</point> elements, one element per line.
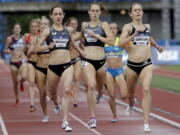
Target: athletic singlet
<point>16,44</point>
<point>28,40</point>
<point>113,51</point>
<point>60,38</point>
<point>142,38</point>
<point>91,41</point>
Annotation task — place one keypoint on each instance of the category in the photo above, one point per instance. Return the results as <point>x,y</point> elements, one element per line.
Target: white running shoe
<point>92,123</point>
<point>128,110</point>
<point>56,109</point>
<point>66,127</point>
<point>146,128</point>
<point>45,119</point>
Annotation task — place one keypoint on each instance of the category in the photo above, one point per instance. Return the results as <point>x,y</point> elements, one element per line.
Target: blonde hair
<point>37,21</point>
<point>45,18</point>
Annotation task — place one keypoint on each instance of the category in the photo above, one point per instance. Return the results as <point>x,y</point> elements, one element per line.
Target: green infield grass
<point>166,83</point>
<point>170,67</point>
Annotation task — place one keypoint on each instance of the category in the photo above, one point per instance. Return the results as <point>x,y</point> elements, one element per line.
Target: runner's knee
<point>77,77</point>
<point>111,93</point>
<point>91,85</point>
<point>146,91</point>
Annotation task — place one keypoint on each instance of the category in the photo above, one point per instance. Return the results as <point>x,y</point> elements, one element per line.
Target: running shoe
<point>92,123</point>
<point>133,101</point>
<point>32,108</point>
<point>45,119</point>
<point>56,109</point>
<point>21,86</point>
<point>16,103</point>
<point>146,127</point>
<point>115,119</point>
<point>98,98</point>
<point>129,110</point>
<point>75,104</point>
<point>66,127</point>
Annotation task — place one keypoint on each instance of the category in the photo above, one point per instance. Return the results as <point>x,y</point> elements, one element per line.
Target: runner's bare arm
<point>43,37</point>
<point>6,48</point>
<point>124,39</point>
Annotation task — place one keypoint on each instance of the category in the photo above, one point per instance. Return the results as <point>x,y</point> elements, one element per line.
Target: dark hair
<point>118,29</point>
<point>114,23</point>
<point>130,9</point>
<point>16,24</point>
<point>104,11</point>
<point>69,20</point>
<point>52,9</point>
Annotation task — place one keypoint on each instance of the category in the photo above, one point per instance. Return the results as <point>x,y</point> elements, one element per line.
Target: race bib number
<point>18,46</point>
<point>89,38</point>
<point>112,54</point>
<point>140,39</point>
<point>60,42</point>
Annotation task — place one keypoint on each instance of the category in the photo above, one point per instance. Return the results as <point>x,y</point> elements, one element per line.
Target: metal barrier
<point>75,0</point>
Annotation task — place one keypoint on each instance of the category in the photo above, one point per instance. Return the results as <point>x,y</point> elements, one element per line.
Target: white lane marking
<point>78,119</point>
<point>5,78</point>
<point>72,115</point>
<point>83,123</point>
<point>165,91</point>
<point>158,117</point>
<point>22,100</point>
<point>55,120</point>
<point>3,126</point>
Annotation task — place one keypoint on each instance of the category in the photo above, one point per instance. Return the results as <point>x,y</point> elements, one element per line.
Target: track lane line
<point>158,117</point>
<point>3,126</point>
<point>155,116</point>
<point>78,119</point>
<point>83,123</point>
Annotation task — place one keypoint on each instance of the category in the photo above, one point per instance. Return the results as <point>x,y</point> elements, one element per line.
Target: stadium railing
<point>75,0</point>
<point>168,42</point>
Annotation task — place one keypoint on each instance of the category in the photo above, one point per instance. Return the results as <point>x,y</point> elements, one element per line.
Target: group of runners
<point>57,52</point>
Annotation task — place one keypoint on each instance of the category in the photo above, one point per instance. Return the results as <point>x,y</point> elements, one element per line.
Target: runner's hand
<point>51,45</point>
<point>92,34</point>
<point>160,49</point>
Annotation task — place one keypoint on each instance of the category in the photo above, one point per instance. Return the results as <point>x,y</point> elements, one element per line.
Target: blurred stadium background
<point>163,15</point>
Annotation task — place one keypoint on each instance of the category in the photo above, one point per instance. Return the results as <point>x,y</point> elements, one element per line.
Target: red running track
<point>163,103</point>
<point>167,73</point>
<point>19,121</point>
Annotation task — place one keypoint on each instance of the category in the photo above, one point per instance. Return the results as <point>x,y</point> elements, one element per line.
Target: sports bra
<point>91,41</point>
<point>60,38</point>
<point>113,51</point>
<point>16,44</point>
<point>142,38</point>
